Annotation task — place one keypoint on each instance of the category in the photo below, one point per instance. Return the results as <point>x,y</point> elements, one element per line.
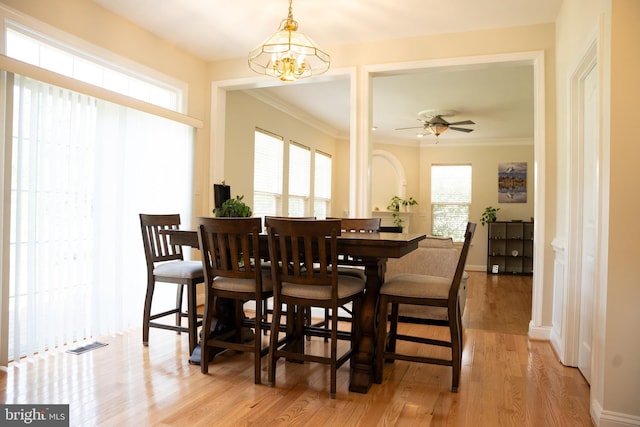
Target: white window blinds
<point>267,174</point>
<point>82,171</point>
<point>322,185</point>
<point>299,179</point>
<point>450,200</point>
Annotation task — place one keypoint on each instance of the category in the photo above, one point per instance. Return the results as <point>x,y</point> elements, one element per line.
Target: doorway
<point>537,330</point>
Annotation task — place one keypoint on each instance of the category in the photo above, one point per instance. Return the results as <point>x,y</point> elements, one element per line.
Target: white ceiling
<point>499,99</point>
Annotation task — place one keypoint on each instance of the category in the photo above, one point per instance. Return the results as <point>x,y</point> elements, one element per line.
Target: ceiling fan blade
<point>464,122</point>
<point>460,129</point>
<point>412,127</point>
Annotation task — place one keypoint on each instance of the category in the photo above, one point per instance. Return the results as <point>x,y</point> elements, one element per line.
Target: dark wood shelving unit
<point>510,247</point>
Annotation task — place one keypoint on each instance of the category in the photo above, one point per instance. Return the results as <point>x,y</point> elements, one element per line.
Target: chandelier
<point>288,54</point>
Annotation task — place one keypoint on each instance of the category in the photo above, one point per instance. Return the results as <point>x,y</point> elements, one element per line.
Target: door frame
<point>537,328</point>
<point>571,310</point>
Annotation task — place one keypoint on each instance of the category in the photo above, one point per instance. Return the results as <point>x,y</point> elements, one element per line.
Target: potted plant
<point>394,207</point>
<point>489,215</point>
<point>234,208</point>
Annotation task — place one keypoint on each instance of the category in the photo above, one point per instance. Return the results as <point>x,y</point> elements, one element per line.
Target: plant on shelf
<point>234,208</point>
<point>489,215</point>
<point>394,207</point>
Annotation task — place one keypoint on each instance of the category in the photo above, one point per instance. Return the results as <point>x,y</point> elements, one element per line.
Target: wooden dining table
<point>372,251</point>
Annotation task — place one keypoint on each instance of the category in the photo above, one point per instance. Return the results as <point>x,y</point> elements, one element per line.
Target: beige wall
<point>621,361</point>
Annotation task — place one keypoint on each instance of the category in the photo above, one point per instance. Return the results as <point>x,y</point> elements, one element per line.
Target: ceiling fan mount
<point>434,123</point>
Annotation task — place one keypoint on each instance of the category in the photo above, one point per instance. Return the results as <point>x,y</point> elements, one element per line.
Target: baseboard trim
<point>541,333</point>
<point>603,418</point>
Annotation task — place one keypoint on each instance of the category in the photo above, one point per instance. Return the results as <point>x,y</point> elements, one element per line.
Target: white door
<point>590,138</point>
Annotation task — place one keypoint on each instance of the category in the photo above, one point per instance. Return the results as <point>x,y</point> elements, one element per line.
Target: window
<point>28,46</point>
<point>267,174</point>
<point>450,200</point>
<point>322,185</point>
<point>82,169</point>
<point>299,179</point>
<point>308,174</point>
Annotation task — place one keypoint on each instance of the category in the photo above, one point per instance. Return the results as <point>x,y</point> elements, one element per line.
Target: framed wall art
<point>512,182</point>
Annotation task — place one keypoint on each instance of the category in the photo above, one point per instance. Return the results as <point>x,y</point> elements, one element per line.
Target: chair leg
<point>456,349</point>
<point>206,327</point>
<point>265,311</point>
<point>273,342</point>
<point>179,293</point>
<point>257,346</point>
<point>146,317</point>
<point>334,354</point>
<point>393,328</point>
<point>192,318</point>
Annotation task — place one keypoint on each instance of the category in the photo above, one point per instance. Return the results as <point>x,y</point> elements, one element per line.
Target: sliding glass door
<point>82,169</point>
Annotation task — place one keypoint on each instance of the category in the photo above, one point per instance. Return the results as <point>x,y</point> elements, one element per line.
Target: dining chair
<point>166,264</point>
<point>424,291</point>
<point>303,255</point>
<point>232,265</point>
<point>349,265</point>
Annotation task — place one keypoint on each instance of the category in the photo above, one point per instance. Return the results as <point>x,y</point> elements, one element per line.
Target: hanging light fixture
<point>288,54</point>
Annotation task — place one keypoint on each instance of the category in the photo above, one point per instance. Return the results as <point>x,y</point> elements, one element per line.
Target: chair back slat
<point>230,247</point>
<point>157,245</point>
<point>303,251</point>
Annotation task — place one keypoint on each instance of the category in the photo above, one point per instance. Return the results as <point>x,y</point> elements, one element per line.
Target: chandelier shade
<point>288,55</point>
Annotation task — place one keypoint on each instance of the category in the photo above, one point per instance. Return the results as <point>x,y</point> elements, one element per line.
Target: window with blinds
<point>299,179</point>
<point>450,200</point>
<point>322,185</point>
<point>267,174</point>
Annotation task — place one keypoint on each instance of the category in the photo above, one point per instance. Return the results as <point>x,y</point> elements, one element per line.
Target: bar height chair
<point>166,264</point>
<point>303,255</point>
<point>350,266</point>
<point>231,261</point>
<point>425,291</point>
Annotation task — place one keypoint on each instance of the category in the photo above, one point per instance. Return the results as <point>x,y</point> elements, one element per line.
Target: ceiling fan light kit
<point>288,55</point>
<point>433,123</point>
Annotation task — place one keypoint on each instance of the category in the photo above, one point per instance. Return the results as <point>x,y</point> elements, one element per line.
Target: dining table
<point>371,251</point>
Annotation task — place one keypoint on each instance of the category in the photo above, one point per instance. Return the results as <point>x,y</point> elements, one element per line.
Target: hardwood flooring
<point>507,380</point>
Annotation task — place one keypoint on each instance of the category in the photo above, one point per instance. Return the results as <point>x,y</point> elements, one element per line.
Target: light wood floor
<point>507,380</point>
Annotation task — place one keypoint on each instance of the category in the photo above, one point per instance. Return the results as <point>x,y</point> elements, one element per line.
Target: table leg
<point>362,362</point>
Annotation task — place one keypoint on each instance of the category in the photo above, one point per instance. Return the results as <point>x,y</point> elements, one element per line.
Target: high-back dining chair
<point>166,264</point>
<point>350,266</point>
<point>267,265</point>
<point>356,225</point>
<point>295,247</point>
<point>426,291</point>
<point>232,266</point>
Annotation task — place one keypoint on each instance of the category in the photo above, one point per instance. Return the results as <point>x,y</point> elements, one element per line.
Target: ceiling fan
<point>433,123</point>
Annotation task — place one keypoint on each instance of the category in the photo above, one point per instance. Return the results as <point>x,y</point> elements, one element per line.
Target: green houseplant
<point>394,207</point>
<point>234,208</point>
<point>489,215</point>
